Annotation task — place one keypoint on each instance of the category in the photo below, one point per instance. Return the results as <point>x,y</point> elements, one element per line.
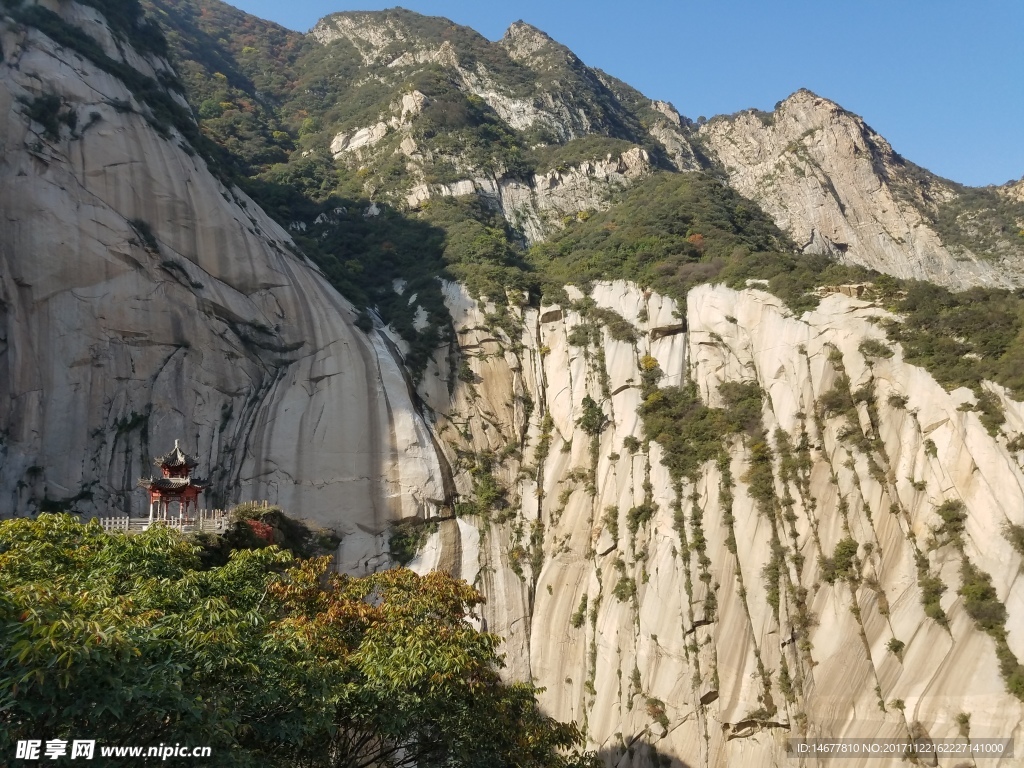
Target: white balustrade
<point>210,520</point>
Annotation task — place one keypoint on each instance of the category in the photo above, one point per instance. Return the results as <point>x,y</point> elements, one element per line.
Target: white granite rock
<point>625,666</point>
<point>142,301</point>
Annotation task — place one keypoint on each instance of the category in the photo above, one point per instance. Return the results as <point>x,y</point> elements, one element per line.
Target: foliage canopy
<point>268,660</point>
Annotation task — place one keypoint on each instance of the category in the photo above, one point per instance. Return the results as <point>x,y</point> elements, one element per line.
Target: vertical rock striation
<point>703,618</point>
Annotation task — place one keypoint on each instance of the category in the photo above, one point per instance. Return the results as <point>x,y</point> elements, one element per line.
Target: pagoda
<point>176,484</point>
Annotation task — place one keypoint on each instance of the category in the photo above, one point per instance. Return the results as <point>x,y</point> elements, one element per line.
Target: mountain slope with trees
<point>507,113</point>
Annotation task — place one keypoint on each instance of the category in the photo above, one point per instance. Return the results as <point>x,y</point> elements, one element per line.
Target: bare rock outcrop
<point>537,207</point>
<point>370,34</point>
<point>1014,190</point>
<point>837,187</point>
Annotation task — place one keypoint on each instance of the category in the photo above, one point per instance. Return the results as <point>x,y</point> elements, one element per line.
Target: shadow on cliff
<point>382,258</point>
<point>639,753</point>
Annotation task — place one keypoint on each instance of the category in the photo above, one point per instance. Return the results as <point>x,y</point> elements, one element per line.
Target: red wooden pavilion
<point>176,484</point>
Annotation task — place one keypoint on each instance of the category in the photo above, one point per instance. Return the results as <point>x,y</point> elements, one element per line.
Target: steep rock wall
<point>142,301</point>
<point>686,659</point>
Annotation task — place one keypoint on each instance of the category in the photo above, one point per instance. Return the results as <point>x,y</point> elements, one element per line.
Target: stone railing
<point>208,520</point>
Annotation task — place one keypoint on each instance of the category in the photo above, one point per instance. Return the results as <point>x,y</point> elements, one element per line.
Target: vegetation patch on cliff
<point>690,432</point>
<point>982,604</point>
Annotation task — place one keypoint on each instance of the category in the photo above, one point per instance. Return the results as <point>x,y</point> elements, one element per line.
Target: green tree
<point>593,420</point>
<point>268,660</point>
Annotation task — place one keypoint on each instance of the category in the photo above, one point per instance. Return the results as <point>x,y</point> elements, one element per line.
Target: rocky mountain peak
<point>395,36</point>
<point>1014,190</point>
<point>838,187</point>
<point>806,95</point>
<point>523,41</point>
<point>814,111</point>
<point>369,32</point>
<point>669,111</point>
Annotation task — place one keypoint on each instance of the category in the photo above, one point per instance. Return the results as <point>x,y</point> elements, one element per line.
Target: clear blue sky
<point>942,80</point>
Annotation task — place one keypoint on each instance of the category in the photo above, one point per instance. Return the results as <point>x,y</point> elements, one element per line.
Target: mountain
<point>837,187</point>
<point>661,391</point>
<point>403,108</point>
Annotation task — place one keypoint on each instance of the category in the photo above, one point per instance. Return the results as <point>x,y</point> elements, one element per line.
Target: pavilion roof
<point>176,458</point>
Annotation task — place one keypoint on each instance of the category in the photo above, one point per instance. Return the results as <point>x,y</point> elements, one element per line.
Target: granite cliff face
<point>644,604</point>
<point>144,301</point>
<point>540,205</point>
<point>807,583</point>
